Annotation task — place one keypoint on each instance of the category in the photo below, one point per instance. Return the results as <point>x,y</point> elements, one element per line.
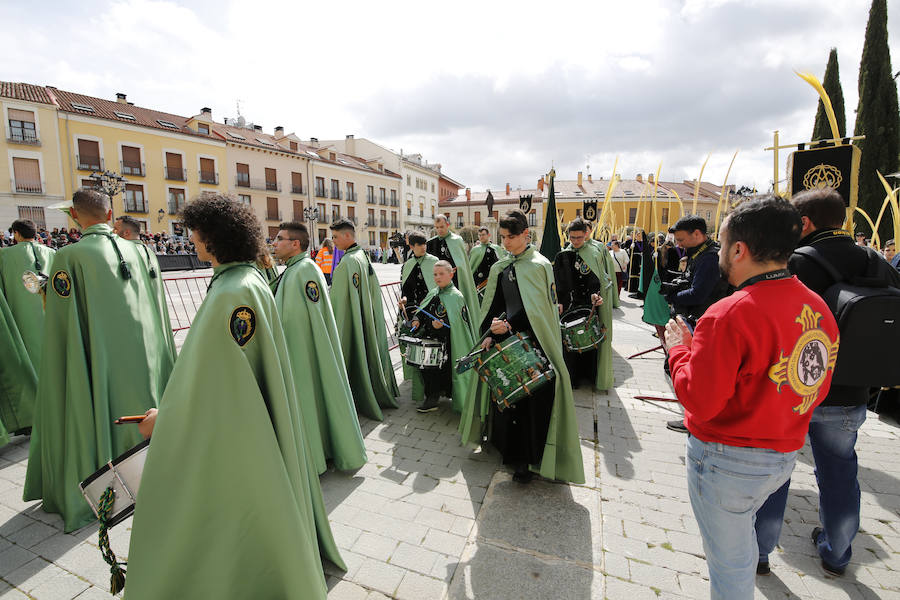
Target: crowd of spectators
<point>160,243</point>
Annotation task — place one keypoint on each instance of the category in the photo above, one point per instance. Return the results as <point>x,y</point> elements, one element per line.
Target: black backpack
<point>867,311</point>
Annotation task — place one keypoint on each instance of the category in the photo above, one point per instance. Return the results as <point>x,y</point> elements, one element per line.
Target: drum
<point>423,353</point>
<point>513,369</point>
<point>123,475</point>
<point>403,331</point>
<point>581,330</point>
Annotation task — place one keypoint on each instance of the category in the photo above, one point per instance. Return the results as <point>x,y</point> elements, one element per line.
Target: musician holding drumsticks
<point>521,287</point>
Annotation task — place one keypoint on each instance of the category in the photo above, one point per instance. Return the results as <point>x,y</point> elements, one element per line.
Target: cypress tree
<point>832,85</point>
<point>877,118</point>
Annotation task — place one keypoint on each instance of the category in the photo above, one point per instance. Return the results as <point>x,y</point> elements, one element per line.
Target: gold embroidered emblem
<point>822,176</point>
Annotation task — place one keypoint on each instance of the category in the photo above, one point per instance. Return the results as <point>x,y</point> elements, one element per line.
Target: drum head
<point>574,315</point>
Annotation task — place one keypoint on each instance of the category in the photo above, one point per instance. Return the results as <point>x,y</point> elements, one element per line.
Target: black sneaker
<point>523,476</point>
<point>762,568</point>
<point>677,426</point>
<point>428,406</point>
<point>830,570</point>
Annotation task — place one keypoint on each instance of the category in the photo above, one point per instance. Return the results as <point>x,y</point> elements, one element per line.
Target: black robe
<point>437,246</point>
<point>574,289</point>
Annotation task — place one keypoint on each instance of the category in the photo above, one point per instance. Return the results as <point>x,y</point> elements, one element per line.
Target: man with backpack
<point>860,288</point>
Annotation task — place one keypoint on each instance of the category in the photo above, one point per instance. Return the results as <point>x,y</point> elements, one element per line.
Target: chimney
<point>580,180</point>
<point>257,128</point>
<point>350,145</point>
<point>314,142</point>
<point>206,112</point>
<point>650,178</point>
<point>638,178</point>
<point>121,98</point>
<point>589,178</point>
<point>541,184</point>
<point>507,189</point>
<point>279,131</point>
<point>468,194</point>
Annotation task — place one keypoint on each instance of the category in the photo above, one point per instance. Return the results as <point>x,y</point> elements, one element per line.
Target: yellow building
<point>31,172</point>
<point>167,159</point>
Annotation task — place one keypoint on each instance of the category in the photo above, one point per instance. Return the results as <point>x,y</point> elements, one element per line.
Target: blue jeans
<point>832,437</point>
<point>727,485</point>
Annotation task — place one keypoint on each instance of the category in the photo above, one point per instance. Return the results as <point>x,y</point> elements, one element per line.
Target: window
<point>460,223</point>
<point>335,189</point>
<point>432,188</point>
<point>272,180</point>
<point>89,156</point>
<point>577,212</point>
<point>272,213</point>
<point>35,213</point>
<point>331,156</point>
<point>134,198</point>
<point>27,173</point>
<point>176,200</point>
<point>83,107</point>
<point>298,210</point>
<point>236,137</point>
<point>383,222</point>
<point>532,219</point>
<point>351,192</point>
<point>203,128</point>
<point>632,215</point>
<point>408,208</point>
<point>243,175</point>
<point>382,197</point>
<point>370,194</point>
<point>320,187</point>
<point>265,143</point>
<point>394,198</point>
<point>208,171</point>
<point>371,238</point>
<point>371,220</point>
<point>245,198</point>
<point>297,183</point>
<point>665,216</point>
<point>174,169</point>
<point>477,218</point>
<point>168,124</point>
<point>394,224</point>
<point>21,126</point>
<point>321,209</point>
<point>293,146</point>
<point>131,161</point>
<point>335,212</point>
<point>273,231</point>
<point>88,184</point>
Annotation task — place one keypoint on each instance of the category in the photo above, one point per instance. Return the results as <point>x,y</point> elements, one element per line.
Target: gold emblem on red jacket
<point>813,355</point>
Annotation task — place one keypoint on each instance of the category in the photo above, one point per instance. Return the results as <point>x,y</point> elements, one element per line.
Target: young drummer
<point>443,316</point>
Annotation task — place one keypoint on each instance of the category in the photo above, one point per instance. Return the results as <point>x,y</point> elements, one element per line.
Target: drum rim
<point>128,454</point>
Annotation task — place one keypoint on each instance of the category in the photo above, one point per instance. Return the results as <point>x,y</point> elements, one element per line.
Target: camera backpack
<point>867,311</point>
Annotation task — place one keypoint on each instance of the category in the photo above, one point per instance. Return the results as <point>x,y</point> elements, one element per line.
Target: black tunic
<point>484,269</point>
<point>520,431</point>
<point>414,288</point>
<point>575,282</point>
<point>438,382</point>
<point>437,246</point>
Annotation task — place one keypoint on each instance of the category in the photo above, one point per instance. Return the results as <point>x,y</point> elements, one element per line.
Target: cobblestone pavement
<point>426,518</point>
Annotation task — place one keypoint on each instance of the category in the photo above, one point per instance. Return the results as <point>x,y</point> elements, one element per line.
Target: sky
<point>496,92</point>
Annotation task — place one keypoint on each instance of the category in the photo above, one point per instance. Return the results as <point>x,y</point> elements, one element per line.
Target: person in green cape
<point>356,300</point>
<point>443,316</point>
<point>28,316</point>
<point>448,246</point>
<point>539,433</point>
<point>17,377</point>
<point>609,263</point>
<point>230,505</point>
<point>416,281</point>
<point>582,282</point>
<point>482,257</point>
<point>314,348</point>
<point>104,356</point>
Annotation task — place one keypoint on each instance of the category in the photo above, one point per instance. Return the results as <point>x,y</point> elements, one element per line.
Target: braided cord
<point>117,573</point>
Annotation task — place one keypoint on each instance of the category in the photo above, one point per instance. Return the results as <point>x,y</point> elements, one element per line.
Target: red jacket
<point>760,361</point>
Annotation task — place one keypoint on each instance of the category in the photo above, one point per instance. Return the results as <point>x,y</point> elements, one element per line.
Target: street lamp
<point>110,183</point>
<point>311,214</point>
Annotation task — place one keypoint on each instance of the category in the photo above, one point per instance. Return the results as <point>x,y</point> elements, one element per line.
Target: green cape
<point>320,377</point>
<point>104,356</point>
<point>462,339</point>
<point>609,264</point>
<point>356,300</point>
<point>17,378</point>
<point>466,283</point>
<point>156,289</point>
<point>593,257</point>
<point>427,265</point>
<point>230,505</point>
<point>562,451</point>
<point>656,309</point>
<point>476,254</point>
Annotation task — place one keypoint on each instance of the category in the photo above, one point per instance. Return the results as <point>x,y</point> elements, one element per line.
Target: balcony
<point>272,186</point>
<point>175,173</point>
<point>460,224</point>
<point>297,189</point>
<point>335,217</point>
<point>133,168</point>
<point>408,212</point>
<point>136,206</point>
<point>394,202</point>
<point>176,207</point>
<point>273,215</point>
<point>320,193</point>
<point>394,224</point>
<point>351,196</point>
<point>28,187</point>
<point>335,195</point>
<point>383,222</point>
<point>352,220</point>
<point>89,163</point>
<point>243,180</point>
<point>370,221</point>
<point>209,177</point>
<point>370,199</point>
<point>23,136</point>
<point>382,201</point>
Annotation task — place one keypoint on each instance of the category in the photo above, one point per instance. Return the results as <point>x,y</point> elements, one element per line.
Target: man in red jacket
<point>749,377</point>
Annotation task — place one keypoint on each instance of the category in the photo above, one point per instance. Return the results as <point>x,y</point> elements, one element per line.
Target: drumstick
<point>422,310</point>
<point>131,419</point>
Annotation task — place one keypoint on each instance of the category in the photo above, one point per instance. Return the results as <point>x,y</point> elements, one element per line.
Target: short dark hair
<point>229,228</point>
<point>24,227</point>
<point>769,226</point>
<point>578,224</point>
<point>824,207</point>
<point>297,231</point>
<point>515,222</point>
<point>343,225</point>
<point>485,229</point>
<point>890,242</point>
<point>690,223</point>
<point>91,202</point>
<point>416,239</point>
<point>131,223</point>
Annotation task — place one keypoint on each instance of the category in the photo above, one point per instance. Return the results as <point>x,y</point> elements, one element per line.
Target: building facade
<point>471,210</point>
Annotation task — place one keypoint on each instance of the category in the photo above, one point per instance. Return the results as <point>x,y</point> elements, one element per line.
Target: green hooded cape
<point>462,339</point>
<point>476,254</point>
<point>320,377</point>
<point>609,265</point>
<point>356,300</point>
<point>230,505</point>
<point>17,378</point>
<point>426,263</point>
<point>104,356</point>
<point>464,279</point>
<point>156,289</point>
<point>593,257</point>
<point>562,451</point>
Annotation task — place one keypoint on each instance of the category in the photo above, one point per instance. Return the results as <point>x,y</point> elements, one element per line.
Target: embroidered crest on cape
<point>464,313</point>
<point>553,297</point>
<point>804,369</point>
<point>242,325</point>
<point>61,284</point>
<point>583,267</point>
<point>440,310</point>
<point>312,291</point>
<point>355,280</point>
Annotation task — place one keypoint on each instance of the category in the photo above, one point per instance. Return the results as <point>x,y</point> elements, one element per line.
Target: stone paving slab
<point>426,518</point>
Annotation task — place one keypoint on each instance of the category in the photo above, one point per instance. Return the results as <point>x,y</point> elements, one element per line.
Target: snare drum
<point>581,331</point>
<point>425,354</point>
<point>123,474</point>
<point>513,369</point>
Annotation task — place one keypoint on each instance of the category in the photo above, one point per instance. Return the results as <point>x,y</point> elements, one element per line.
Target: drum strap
<point>117,573</point>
